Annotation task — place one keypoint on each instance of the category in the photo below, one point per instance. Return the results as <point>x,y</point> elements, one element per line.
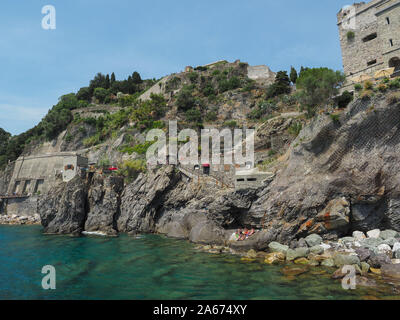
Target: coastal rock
<point>277,247</point>
<point>104,204</point>
<point>396,246</point>
<point>378,260</point>
<point>359,235</point>
<point>317,249</point>
<point>302,243</point>
<point>296,253</point>
<point>364,267</point>
<point>385,249</point>
<point>343,260</point>
<point>274,258</point>
<point>374,234</point>
<point>303,261</point>
<point>63,209</point>
<point>387,234</point>
<point>328,263</point>
<point>313,240</point>
<point>390,241</point>
<point>335,215</point>
<point>397,254</point>
<point>363,254</point>
<point>391,271</point>
<point>294,270</point>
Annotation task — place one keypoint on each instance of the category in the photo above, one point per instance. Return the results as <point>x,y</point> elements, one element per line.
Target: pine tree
<point>112,78</point>
<point>293,75</point>
<point>107,81</point>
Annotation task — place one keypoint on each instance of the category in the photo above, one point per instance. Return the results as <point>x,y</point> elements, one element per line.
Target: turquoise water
<point>149,267</point>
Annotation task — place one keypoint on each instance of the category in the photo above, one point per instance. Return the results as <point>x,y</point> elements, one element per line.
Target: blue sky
<point>154,37</point>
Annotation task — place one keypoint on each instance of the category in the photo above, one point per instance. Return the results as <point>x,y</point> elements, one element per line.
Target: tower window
<point>370,37</point>
<point>372,62</point>
<point>388,20</point>
<point>391,42</point>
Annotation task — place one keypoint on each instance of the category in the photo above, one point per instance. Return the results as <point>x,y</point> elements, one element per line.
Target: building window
<point>252,179</point>
<point>371,63</point>
<point>370,37</point>
<point>240,180</point>
<point>388,20</point>
<point>391,42</point>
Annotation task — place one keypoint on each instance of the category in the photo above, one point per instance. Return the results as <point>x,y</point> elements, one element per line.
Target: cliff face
<point>339,175</point>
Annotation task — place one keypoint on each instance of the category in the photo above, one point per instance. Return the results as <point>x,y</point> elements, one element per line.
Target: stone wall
<point>261,73</point>
<point>21,206</point>
<point>370,49</point>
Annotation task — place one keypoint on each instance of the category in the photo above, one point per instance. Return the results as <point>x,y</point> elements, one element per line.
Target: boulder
<point>363,254</point>
<point>336,214</point>
<point>359,235</point>
<point>378,260</point>
<point>390,241</point>
<point>325,246</point>
<point>347,240</point>
<point>371,243</point>
<point>374,234</point>
<point>387,234</point>
<point>302,243</point>
<point>294,270</point>
<point>328,263</point>
<point>396,246</point>
<point>303,261</point>
<point>313,240</point>
<point>391,271</point>
<point>344,260</point>
<point>317,249</point>
<point>274,258</point>
<point>397,254</point>
<point>277,247</point>
<point>293,254</point>
<point>385,249</point>
<point>365,267</point>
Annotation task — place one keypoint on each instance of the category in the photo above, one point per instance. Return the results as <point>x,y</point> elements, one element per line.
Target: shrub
<point>335,118</point>
<point>358,87</point>
<point>394,84</point>
<point>280,86</point>
<point>393,98</point>
<point>295,128</point>
<point>366,94</point>
<point>193,76</point>
<point>211,116</point>
<point>350,35</point>
<point>344,99</point>
<point>130,169</point>
<point>232,124</point>
<point>100,94</point>
<point>368,85</point>
<point>193,115</point>
<point>185,99</point>
<point>382,87</point>
<point>142,148</point>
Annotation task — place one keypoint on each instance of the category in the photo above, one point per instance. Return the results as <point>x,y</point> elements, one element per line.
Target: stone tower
<point>370,37</point>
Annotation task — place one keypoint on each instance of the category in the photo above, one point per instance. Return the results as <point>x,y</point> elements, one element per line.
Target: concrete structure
<point>251,178</point>
<point>261,73</point>
<point>370,37</point>
<point>36,174</point>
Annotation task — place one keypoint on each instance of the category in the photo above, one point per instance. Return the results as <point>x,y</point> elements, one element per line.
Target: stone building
<point>36,174</point>
<point>370,37</point>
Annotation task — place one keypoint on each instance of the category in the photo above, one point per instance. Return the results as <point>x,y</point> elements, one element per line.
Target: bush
<point>100,94</point>
<point>130,169</point>
<point>193,115</point>
<point>368,85</point>
<point>84,94</point>
<point>232,124</point>
<point>344,99</point>
<point>358,87</point>
<point>295,128</point>
<point>193,76</point>
<point>393,98</point>
<point>394,84</point>
<point>211,116</point>
<point>382,87</point>
<point>350,35</point>
<point>185,99</point>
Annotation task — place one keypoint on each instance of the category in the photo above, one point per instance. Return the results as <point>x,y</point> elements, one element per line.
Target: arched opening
<point>395,63</point>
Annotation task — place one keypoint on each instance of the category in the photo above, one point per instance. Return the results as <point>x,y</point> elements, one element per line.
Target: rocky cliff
<point>341,174</point>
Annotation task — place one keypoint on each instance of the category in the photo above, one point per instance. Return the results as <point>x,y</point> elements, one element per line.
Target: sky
<point>153,37</point>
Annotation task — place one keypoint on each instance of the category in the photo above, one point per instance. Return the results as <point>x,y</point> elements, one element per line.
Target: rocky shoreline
<point>375,257</point>
<point>20,220</point>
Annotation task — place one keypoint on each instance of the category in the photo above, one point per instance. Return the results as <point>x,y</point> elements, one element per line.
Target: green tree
<point>185,99</point>
<point>112,80</point>
<point>136,79</point>
<point>84,94</point>
<point>280,86</point>
<point>318,86</point>
<point>101,94</point>
<point>293,75</point>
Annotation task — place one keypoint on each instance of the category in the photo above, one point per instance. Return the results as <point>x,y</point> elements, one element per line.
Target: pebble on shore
<point>19,220</point>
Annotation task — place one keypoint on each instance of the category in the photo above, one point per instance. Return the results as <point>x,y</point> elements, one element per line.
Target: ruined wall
<point>261,73</point>
<point>21,206</point>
